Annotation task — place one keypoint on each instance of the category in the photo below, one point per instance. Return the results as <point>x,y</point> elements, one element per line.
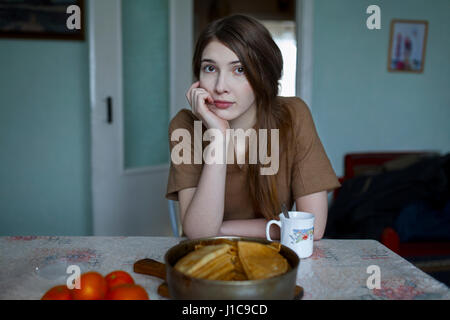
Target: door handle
<point>109,110</point>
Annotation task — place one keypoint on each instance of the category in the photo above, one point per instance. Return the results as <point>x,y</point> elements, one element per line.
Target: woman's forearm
<point>317,204</point>
<point>205,212</point>
<point>248,228</point>
<point>204,215</point>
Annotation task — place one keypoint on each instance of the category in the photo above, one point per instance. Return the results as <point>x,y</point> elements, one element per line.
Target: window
<point>283,33</point>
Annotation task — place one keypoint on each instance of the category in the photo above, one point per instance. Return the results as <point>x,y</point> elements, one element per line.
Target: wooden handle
<point>150,267</point>
<point>163,290</point>
<point>298,293</point>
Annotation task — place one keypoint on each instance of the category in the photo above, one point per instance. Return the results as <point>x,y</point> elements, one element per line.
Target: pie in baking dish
<point>234,261</point>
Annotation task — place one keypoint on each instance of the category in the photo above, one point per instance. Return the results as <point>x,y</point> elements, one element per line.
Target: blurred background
<point>84,120</point>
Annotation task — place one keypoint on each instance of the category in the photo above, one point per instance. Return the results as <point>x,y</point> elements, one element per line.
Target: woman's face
<point>223,76</point>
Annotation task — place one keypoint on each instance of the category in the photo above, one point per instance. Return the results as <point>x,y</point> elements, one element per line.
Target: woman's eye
<point>240,70</point>
<point>208,68</point>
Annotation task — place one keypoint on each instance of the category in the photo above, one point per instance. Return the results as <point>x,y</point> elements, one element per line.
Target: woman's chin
<point>225,114</point>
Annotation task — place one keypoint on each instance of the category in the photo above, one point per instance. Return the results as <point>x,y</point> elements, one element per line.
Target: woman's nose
<point>221,84</point>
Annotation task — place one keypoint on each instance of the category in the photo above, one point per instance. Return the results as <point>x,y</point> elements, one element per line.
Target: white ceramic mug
<point>297,232</point>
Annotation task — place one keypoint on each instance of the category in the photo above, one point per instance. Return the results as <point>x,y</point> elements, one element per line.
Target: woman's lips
<point>222,104</point>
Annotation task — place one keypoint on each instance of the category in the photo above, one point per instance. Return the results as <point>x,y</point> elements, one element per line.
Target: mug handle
<point>278,223</point>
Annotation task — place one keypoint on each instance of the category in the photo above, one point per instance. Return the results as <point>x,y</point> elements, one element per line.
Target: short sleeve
<point>311,170</point>
<point>184,172</point>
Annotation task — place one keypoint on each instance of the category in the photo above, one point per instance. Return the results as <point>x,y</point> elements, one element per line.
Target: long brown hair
<point>263,65</point>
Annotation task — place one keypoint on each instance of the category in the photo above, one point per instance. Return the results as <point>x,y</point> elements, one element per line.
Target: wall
<point>357,104</point>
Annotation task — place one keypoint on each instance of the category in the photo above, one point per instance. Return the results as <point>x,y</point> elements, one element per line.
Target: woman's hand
<point>199,99</point>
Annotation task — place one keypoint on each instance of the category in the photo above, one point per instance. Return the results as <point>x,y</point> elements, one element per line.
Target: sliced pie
<point>194,261</point>
<point>261,261</point>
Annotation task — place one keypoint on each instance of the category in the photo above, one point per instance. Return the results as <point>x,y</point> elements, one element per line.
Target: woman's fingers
<point>200,99</point>
<point>209,99</point>
<point>190,91</point>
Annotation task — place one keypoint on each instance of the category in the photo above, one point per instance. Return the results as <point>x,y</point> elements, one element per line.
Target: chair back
<point>175,218</point>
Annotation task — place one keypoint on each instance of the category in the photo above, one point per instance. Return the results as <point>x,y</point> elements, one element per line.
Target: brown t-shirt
<point>303,169</point>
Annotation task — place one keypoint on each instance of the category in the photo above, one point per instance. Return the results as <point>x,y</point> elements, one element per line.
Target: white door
<point>127,200</point>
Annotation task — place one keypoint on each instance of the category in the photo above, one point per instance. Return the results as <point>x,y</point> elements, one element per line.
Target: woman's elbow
<point>318,235</point>
<point>196,233</point>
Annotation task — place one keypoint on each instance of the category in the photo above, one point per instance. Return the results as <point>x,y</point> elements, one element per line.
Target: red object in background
<point>390,239</point>
<point>355,160</point>
<point>389,236</point>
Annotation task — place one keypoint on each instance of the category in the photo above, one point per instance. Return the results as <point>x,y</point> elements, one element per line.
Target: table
<point>338,269</point>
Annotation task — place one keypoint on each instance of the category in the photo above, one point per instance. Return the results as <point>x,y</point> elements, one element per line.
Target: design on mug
<point>298,235</point>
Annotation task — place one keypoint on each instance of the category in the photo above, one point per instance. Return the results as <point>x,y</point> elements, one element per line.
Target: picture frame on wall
<point>30,19</point>
<point>407,44</point>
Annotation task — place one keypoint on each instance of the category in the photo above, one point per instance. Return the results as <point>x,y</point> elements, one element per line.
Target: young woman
<point>238,66</point>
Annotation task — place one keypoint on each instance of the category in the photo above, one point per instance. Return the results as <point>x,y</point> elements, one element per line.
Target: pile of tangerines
<point>117,285</point>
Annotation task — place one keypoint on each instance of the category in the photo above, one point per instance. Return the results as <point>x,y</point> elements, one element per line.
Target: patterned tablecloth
<point>338,269</point>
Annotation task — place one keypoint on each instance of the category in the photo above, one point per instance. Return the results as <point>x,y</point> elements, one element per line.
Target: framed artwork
<point>407,45</point>
<point>33,19</point>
